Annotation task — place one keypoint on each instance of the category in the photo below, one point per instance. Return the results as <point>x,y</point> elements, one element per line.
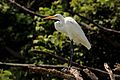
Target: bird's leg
<point>71,56</point>
<point>71,53</point>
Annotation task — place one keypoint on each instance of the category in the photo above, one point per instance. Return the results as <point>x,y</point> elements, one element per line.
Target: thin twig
<point>33,65</point>
<point>57,57</point>
<point>65,60</point>
<point>108,69</point>
<point>117,69</point>
<point>15,54</point>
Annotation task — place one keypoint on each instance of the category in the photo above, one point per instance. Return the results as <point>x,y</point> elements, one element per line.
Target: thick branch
<point>49,68</point>
<point>94,70</point>
<point>52,71</point>
<point>42,69</point>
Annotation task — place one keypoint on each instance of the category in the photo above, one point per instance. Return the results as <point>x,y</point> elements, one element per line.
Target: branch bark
<point>76,73</point>
<point>42,69</point>
<point>52,71</point>
<point>32,65</point>
<point>108,69</point>
<point>90,74</point>
<point>94,70</point>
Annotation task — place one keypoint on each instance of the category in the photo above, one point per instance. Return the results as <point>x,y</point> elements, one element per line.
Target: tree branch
<point>35,14</point>
<point>90,74</point>
<point>25,9</point>
<point>113,43</point>
<point>42,69</point>
<point>101,72</point>
<point>76,73</point>
<point>99,26</point>
<point>85,25</point>
<point>15,54</point>
<point>112,77</point>
<point>52,71</point>
<point>33,65</point>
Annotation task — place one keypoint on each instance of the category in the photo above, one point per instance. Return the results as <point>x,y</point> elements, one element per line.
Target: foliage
<point>5,75</point>
<point>24,33</point>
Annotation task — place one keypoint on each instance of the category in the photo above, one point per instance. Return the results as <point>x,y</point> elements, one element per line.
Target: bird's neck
<point>62,20</point>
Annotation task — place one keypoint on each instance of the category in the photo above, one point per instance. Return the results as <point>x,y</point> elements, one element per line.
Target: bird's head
<point>56,17</point>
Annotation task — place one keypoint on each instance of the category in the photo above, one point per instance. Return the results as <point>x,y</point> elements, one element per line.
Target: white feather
<point>76,33</point>
<point>69,26</point>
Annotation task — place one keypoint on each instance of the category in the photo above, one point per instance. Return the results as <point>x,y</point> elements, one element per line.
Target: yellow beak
<point>49,17</point>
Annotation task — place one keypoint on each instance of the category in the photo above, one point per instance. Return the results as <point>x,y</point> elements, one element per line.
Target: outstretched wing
<point>75,32</point>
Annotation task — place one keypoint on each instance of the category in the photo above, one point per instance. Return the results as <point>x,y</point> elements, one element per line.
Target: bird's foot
<point>66,69</point>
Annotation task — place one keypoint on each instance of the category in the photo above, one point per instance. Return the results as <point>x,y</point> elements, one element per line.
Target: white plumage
<point>72,29</point>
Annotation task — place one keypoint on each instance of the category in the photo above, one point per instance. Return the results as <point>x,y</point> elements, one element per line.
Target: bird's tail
<point>88,45</point>
<point>84,41</point>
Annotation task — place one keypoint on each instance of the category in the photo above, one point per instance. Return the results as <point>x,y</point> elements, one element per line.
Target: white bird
<point>72,29</point>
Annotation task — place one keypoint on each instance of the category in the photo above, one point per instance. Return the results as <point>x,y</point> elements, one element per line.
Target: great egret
<point>72,29</point>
